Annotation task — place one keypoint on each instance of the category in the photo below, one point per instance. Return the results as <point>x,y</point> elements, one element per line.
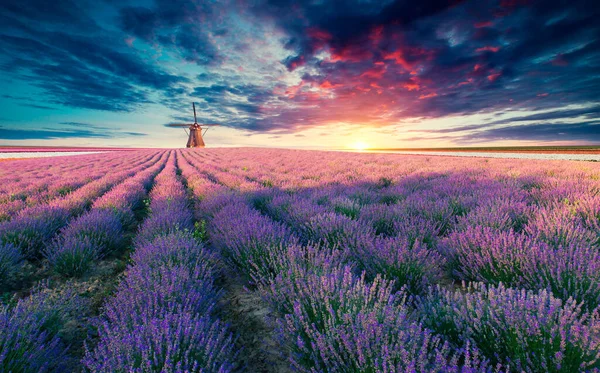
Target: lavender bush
<point>10,259</point>
<point>339,322</point>
<point>494,257</point>
<point>160,318</point>
<point>101,227</point>
<point>25,345</point>
<point>559,227</point>
<point>30,231</point>
<point>249,240</point>
<point>175,342</point>
<point>72,256</point>
<point>413,265</point>
<point>333,230</point>
<point>30,330</point>
<point>524,330</point>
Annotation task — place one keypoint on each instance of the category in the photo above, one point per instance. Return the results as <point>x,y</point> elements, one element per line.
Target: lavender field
<point>264,260</point>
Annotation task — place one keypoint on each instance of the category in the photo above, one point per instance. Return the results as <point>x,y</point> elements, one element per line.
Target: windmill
<point>195,139</point>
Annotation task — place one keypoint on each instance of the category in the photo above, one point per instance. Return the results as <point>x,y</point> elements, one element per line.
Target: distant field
<point>586,149</point>
<point>28,149</point>
<point>269,260</point>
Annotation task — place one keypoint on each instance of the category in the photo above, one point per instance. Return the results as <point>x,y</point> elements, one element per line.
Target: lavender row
<point>101,231</point>
<point>568,270</point>
<point>32,328</point>
<point>40,168</point>
<point>33,227</point>
<point>533,332</point>
<point>160,319</point>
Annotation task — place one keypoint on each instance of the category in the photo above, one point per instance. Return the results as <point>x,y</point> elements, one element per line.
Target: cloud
<point>47,133</point>
<point>283,66</point>
<point>591,112</point>
<point>584,131</point>
<point>20,134</point>
<point>43,107</point>
<point>90,68</point>
<point>181,25</point>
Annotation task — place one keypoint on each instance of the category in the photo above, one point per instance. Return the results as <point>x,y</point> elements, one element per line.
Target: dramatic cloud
<point>282,66</point>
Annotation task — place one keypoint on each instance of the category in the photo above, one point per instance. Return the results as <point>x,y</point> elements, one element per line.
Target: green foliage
<point>199,232</point>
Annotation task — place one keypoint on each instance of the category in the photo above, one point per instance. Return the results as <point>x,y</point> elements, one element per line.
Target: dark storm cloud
<point>342,23</point>
<point>65,14</point>
<point>91,68</point>
<point>179,24</point>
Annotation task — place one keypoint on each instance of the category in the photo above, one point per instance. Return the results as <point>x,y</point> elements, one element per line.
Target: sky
<point>314,74</point>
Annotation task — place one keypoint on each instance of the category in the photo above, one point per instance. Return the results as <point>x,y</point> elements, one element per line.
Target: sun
<point>359,145</point>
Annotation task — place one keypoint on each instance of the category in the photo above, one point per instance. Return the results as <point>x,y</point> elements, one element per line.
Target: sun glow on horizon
<point>359,145</point>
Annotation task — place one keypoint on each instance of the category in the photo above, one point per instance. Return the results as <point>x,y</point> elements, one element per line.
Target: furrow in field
<point>244,309</point>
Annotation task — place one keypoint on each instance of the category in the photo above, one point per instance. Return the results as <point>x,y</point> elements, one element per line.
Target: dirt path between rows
<point>247,314</point>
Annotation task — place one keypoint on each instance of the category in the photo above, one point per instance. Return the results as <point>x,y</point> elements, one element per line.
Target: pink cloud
<point>488,48</point>
<point>430,95</point>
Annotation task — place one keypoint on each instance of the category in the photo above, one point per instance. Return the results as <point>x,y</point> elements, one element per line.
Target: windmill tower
<point>195,137</point>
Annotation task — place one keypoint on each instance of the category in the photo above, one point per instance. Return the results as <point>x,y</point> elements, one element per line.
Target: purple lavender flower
<point>524,330</point>
<point>413,265</point>
<point>164,224</point>
<point>174,342</point>
<point>559,227</point>
<point>25,345</point>
<point>381,217</point>
<point>571,271</point>
<point>30,330</point>
<point>291,269</point>
<point>498,213</point>
<point>339,322</point>
<point>249,240</point>
<point>346,206</point>
<point>335,230</point>
<point>493,256</point>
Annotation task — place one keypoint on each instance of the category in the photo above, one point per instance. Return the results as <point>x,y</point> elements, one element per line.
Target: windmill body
<point>195,139</point>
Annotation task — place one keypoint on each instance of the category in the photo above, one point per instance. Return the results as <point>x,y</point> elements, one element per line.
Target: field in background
<point>35,149</point>
<point>580,149</point>
<point>266,260</point>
